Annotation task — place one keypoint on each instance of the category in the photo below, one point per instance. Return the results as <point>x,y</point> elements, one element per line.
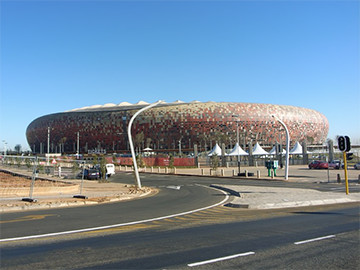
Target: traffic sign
<point>53,161</point>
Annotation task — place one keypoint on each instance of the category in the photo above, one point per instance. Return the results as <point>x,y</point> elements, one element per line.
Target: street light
<point>48,146</point>
<point>238,141</point>
<point>131,142</point>
<point>287,146</point>
<point>78,145</point>
<point>5,143</point>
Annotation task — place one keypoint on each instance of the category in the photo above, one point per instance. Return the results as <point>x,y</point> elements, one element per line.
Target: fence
<point>18,175</point>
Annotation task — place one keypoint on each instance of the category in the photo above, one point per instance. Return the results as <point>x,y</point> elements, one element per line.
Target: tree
<point>148,142</point>
<point>114,160</point>
<point>139,138</point>
<point>18,148</point>
<point>103,169</point>
<point>214,162</point>
<point>140,161</point>
<point>28,163</point>
<point>18,161</point>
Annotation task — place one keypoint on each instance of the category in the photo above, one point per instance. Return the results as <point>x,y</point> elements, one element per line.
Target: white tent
<point>297,149</point>
<point>258,151</point>
<point>215,151</point>
<point>237,151</point>
<point>273,151</point>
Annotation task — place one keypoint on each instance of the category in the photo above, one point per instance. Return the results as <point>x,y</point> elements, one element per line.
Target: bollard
<point>246,173</point>
<point>159,170</point>
<point>166,170</point>
<point>234,173</point>
<point>222,172</point>
<point>338,178</point>
<point>174,170</point>
<point>145,169</point>
<point>202,171</point>
<point>125,168</point>
<point>272,174</point>
<point>227,164</point>
<point>258,174</point>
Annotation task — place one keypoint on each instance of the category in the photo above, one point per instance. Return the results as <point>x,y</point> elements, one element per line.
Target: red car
<point>318,164</point>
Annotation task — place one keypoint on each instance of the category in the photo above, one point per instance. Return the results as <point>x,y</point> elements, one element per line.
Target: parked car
<point>110,169</point>
<point>318,164</point>
<point>90,174</point>
<point>335,164</point>
<point>357,166</point>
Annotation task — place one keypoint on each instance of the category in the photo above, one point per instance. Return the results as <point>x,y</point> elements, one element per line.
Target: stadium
<point>169,127</point>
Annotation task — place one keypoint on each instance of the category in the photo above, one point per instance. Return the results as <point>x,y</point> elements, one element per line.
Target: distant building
<point>164,127</point>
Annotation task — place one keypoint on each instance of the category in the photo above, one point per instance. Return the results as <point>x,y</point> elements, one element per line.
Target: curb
<point>48,205</point>
<point>215,176</point>
<point>237,203</point>
<point>229,190</point>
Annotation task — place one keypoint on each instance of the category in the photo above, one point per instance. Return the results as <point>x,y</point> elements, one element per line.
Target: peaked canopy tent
<point>237,151</point>
<point>215,151</point>
<point>273,151</point>
<point>258,150</point>
<point>297,150</point>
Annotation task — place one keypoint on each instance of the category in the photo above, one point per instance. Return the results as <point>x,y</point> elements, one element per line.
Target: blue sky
<point>61,55</point>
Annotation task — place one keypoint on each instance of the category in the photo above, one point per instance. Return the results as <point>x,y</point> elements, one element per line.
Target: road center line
<point>116,225</point>
<point>314,239</point>
<point>221,259</point>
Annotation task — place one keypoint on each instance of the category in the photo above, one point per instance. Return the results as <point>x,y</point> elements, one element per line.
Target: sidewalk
<point>271,197</point>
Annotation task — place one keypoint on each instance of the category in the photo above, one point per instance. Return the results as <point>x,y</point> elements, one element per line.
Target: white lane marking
<point>174,187</point>
<point>221,259</point>
<point>115,225</point>
<point>314,239</point>
<point>337,188</point>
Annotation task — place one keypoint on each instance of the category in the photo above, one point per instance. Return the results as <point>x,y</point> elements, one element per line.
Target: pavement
<point>274,197</point>
<point>252,197</point>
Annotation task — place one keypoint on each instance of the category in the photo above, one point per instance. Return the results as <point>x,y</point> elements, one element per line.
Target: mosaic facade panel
<point>165,125</point>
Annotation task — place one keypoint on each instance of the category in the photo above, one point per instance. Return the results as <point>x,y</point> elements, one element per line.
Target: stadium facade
<point>169,126</point>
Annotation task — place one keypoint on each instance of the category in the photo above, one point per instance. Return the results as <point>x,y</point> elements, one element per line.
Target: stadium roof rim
<point>127,105</point>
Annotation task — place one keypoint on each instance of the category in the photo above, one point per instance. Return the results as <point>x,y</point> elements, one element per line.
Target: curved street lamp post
<point>136,171</point>
<point>287,146</point>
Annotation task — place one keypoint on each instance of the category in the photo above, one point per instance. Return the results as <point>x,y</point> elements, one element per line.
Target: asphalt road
<point>177,194</point>
<point>168,201</point>
<point>247,240</point>
<point>240,239</point>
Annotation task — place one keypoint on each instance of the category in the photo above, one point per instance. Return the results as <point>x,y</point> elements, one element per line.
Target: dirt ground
<point>95,193</point>
<point>8,180</point>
